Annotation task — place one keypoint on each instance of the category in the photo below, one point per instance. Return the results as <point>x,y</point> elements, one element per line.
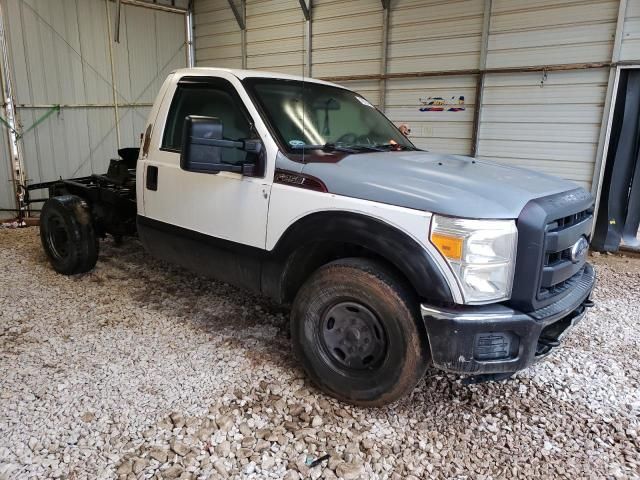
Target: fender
<point>307,235</point>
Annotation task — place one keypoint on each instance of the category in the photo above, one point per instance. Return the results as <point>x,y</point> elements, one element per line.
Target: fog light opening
<point>495,346</point>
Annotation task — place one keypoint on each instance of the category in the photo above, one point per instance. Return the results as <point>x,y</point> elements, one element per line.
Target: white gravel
<point>139,370</point>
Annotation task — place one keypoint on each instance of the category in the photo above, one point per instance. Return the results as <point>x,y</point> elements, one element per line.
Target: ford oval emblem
<point>579,250</point>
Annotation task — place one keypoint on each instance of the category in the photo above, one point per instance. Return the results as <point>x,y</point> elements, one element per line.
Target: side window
<point>211,99</point>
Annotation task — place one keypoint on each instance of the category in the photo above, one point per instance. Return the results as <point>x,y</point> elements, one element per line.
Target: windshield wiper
<point>349,148</point>
<point>327,147</point>
<point>393,146</point>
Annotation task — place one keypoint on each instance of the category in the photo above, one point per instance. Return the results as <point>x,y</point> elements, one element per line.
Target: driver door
<point>203,221</point>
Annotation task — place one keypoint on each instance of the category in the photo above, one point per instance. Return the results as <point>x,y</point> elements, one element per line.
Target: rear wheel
<point>356,329</point>
<point>67,235</point>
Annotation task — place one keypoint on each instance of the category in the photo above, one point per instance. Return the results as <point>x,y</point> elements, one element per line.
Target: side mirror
<point>202,142</point>
<point>199,152</point>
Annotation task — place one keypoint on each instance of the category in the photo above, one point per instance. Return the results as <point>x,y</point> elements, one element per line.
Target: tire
<point>67,235</point>
<point>343,304</point>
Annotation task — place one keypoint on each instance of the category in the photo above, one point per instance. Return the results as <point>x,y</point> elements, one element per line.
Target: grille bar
<point>561,239</point>
<point>580,284</point>
<point>560,236</point>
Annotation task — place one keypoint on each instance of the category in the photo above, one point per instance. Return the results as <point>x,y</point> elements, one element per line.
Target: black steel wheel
<point>67,235</point>
<point>57,239</point>
<point>353,337</point>
<point>355,327</point>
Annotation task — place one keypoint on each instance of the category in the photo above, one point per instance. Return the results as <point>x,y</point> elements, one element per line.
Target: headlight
<point>481,254</point>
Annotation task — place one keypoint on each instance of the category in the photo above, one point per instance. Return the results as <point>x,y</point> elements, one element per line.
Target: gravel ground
<point>139,370</point>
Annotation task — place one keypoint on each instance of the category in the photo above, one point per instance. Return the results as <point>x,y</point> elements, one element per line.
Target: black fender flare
<point>361,230</point>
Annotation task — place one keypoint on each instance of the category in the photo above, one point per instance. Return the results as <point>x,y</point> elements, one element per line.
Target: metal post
<point>243,47</point>
<point>386,6</point>
<point>154,6</point>
<point>617,42</point>
<point>477,114</point>
<point>241,18</point>
<point>484,47</point>
<point>305,6</point>
<point>307,12</point>
<point>191,54</point>
<point>607,114</point>
<point>307,34</point>
<point>116,33</point>
<point>18,171</point>
<point>243,33</point>
<point>113,73</point>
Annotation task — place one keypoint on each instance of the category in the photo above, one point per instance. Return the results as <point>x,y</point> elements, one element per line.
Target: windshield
<point>309,115</point>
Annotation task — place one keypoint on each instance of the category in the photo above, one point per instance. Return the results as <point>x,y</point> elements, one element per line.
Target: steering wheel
<point>353,138</point>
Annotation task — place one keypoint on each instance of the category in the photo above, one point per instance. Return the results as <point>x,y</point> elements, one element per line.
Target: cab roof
<point>242,74</point>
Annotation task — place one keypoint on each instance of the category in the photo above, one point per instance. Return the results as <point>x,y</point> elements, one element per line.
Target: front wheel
<point>67,235</point>
<point>356,329</point>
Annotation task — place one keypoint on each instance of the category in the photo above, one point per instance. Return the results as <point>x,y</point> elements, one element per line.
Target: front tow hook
<point>549,342</point>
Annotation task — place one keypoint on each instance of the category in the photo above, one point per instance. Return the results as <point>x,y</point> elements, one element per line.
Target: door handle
<point>152,177</point>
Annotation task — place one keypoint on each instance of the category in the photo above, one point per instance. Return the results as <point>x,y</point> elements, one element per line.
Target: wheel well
<point>321,237</point>
<point>307,259</point>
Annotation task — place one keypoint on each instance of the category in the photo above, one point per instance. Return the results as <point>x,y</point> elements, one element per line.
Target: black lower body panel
<point>495,339</point>
<point>202,254</point>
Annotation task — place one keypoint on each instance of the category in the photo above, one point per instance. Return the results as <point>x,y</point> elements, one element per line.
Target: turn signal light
<point>450,247</point>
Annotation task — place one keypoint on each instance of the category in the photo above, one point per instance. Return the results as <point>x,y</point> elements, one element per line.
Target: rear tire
<point>356,328</point>
<point>67,235</point>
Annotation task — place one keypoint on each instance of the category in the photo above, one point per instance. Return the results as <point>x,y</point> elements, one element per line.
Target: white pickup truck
<point>393,258</point>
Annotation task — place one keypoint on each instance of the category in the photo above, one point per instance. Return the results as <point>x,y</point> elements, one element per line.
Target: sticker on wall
<point>441,104</point>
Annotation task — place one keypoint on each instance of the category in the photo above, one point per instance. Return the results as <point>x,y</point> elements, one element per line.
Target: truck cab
<point>392,258</point>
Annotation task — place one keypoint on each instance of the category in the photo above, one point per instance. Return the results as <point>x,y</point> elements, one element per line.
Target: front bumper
<point>495,339</point>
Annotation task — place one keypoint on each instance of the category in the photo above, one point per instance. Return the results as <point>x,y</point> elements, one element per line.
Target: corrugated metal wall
<point>275,36</point>
<point>347,37</point>
<point>631,32</point>
<point>347,40</point>
<point>550,124</point>
<point>435,36</point>
<point>549,32</point>
<point>549,121</point>
<point>59,54</point>
<point>218,35</point>
<point>553,124</point>
<point>447,130</point>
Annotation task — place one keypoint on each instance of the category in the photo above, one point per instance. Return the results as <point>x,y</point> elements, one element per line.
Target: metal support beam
<point>307,6</point>
<point>153,6</point>
<point>484,48</point>
<point>603,143</point>
<point>116,32</point>
<point>607,114</point>
<point>243,48</point>
<point>306,9</point>
<point>477,115</point>
<point>238,12</point>
<point>474,71</point>
<point>386,4</point>
<point>114,87</point>
<point>617,42</point>
<point>191,49</point>
<point>18,172</point>
<point>307,42</point>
